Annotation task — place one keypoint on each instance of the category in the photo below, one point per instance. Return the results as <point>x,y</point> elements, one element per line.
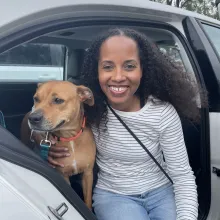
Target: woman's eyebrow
<point>128,61</point>
<point>106,61</point>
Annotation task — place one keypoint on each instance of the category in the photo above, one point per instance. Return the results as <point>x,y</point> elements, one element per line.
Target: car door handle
<point>57,213</point>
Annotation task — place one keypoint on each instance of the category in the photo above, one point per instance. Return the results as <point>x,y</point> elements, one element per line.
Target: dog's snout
<point>35,118</point>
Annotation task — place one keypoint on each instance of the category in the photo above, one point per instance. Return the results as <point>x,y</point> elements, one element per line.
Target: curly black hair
<point>162,78</point>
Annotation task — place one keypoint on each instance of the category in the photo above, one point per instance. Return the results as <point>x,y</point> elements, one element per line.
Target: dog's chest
<point>71,163</point>
<point>74,162</point>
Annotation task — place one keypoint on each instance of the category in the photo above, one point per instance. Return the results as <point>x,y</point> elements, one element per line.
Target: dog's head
<point>57,104</point>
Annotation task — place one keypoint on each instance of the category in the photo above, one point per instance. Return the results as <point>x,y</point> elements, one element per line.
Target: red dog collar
<point>73,137</point>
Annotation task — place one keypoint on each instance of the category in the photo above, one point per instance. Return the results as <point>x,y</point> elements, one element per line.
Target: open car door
<point>29,189</point>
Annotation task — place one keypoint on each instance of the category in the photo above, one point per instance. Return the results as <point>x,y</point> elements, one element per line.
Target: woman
<point>149,93</point>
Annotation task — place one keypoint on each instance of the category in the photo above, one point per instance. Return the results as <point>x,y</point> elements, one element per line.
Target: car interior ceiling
<point>77,40</point>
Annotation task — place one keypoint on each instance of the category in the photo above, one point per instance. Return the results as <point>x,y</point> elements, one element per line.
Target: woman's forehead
<point>119,46</point>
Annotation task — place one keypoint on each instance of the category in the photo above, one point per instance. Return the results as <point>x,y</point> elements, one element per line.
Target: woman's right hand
<point>57,152</point>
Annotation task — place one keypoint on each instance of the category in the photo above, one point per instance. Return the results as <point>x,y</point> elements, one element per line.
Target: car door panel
<point>215,163</point>
<point>30,195</point>
<point>208,60</point>
<point>34,184</point>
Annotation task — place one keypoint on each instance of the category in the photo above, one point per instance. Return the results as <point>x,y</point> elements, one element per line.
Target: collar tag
<point>45,145</point>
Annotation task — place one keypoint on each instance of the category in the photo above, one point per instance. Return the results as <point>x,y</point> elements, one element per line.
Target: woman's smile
<point>118,90</point>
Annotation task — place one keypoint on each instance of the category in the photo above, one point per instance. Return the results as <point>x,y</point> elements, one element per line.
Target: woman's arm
<point>178,167</point>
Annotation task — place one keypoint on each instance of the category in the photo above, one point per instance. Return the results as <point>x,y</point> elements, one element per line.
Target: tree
<point>206,7</point>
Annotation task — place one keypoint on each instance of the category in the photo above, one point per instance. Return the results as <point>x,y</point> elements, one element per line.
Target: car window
<point>32,62</point>
<point>214,36</point>
<point>170,44</point>
<point>173,51</point>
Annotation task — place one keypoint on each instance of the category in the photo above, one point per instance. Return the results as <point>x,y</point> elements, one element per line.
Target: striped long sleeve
<point>125,167</point>
<point>175,154</point>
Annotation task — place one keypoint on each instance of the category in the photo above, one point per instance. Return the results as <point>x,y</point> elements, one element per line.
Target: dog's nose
<point>35,118</point>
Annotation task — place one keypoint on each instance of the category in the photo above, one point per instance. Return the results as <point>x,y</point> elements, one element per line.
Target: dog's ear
<point>85,95</point>
<point>39,84</point>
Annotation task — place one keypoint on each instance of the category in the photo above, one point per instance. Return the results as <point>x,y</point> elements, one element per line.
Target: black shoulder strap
<point>135,137</point>
<point>142,101</point>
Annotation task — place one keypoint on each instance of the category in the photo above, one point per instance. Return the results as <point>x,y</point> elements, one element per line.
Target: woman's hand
<point>54,151</point>
<point>57,152</point>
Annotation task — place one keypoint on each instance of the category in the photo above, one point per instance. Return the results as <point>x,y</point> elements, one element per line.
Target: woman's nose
<point>118,75</point>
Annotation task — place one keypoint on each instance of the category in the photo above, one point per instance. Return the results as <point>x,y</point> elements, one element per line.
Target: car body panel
<point>26,178</point>
<point>215,162</point>
<point>35,12</point>
<point>23,191</point>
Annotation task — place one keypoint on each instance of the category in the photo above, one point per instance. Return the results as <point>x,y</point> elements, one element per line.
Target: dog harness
<point>45,144</point>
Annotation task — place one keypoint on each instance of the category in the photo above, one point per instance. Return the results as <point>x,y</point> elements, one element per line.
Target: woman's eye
<point>130,66</point>
<point>107,67</point>
<point>58,101</point>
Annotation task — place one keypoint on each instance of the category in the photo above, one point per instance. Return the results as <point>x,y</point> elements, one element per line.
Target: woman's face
<point>119,71</point>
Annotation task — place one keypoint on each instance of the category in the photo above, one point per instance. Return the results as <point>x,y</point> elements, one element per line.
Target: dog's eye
<point>58,101</point>
<point>36,99</point>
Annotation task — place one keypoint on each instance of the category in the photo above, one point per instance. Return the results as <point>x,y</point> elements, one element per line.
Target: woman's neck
<point>132,106</point>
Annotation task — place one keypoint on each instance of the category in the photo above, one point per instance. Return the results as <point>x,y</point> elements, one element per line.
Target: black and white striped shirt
<point>125,167</point>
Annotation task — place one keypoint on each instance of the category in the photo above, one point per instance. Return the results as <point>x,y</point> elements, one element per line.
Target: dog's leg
<point>87,181</point>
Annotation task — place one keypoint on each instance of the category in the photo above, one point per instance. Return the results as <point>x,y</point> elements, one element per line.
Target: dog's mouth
<point>59,125</point>
<point>48,128</point>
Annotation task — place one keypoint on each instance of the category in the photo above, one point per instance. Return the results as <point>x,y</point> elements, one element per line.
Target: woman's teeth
<point>118,89</point>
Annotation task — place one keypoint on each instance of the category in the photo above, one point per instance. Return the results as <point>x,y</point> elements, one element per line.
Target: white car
<point>47,39</point>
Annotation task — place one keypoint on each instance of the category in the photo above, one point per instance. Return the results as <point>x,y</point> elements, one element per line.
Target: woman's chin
<point>119,104</point>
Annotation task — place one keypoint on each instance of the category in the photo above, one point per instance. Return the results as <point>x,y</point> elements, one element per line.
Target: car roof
<point>11,11</point>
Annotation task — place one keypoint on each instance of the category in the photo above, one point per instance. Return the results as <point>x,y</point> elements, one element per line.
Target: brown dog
<point>58,109</point>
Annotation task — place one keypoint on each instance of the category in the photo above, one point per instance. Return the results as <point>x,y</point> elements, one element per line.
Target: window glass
<point>170,44</point>
<point>214,36</point>
<point>173,51</point>
<point>32,62</point>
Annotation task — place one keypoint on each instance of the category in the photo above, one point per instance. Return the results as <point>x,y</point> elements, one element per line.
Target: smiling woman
<point>126,71</point>
<point>110,63</point>
<point>120,72</point>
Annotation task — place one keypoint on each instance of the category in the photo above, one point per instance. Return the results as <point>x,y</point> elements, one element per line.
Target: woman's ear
<point>85,95</point>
